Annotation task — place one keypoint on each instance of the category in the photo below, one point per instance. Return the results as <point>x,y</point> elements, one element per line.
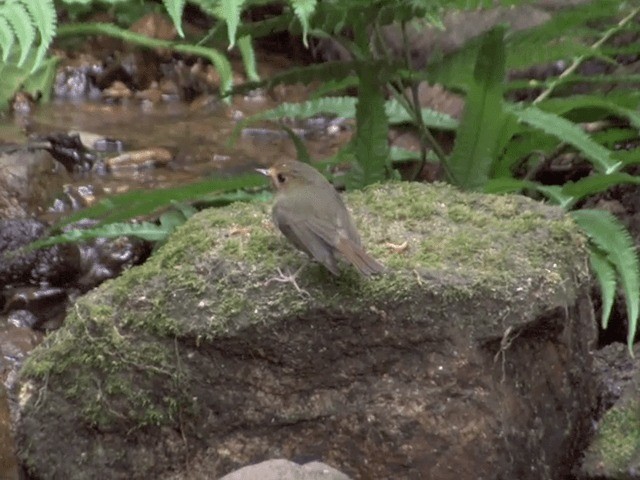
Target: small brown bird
<point>312,215</point>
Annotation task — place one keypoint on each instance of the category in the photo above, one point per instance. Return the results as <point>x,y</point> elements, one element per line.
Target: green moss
<point>110,376</point>
<point>618,438</point>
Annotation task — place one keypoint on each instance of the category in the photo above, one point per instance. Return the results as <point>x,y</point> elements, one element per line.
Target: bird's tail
<point>356,256</point>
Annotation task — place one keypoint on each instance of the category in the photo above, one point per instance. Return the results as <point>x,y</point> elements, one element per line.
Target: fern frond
<point>478,138</point>
<point>304,9</point>
<point>174,9</point>
<point>339,106</point>
<point>245,45</point>
<point>22,27</point>
<point>44,16</point>
<point>614,240</point>
<point>568,132</point>
<point>592,103</point>
<point>596,183</point>
<point>229,11</point>
<point>6,38</point>
<point>431,118</point>
<point>606,276</point>
<point>27,25</point>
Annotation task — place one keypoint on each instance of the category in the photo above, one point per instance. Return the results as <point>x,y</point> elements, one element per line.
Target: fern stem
<point>579,59</point>
<point>413,108</point>
<point>416,103</point>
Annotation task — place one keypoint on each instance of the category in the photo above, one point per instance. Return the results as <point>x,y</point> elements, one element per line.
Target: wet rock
<point>40,307</point>
<point>75,80</point>
<point>42,281</point>
<point>29,182</point>
<point>58,265</point>
<point>69,150</point>
<point>614,370</point>
<point>469,358</point>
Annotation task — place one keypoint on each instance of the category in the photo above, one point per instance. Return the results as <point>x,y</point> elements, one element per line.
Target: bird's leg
<point>290,278</point>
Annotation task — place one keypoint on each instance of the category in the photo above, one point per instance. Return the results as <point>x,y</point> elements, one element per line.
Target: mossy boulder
<point>468,356</point>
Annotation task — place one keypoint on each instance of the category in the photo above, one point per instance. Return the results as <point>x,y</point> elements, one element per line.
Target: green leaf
<point>525,144</point>
<point>479,133</point>
<point>14,77</point>
<point>43,14</point>
<point>145,230</point>
<point>397,114</point>
<point>6,38</point>
<point>606,276</point>
<point>596,183</point>
<point>304,10</point>
<point>614,241</point>
<point>397,154</point>
<point>564,106</point>
<point>371,143</point>
<point>335,71</point>
<point>23,28</point>
<point>175,9</point>
<point>556,194</point>
<point>229,11</point>
<point>248,58</point>
<point>339,106</point>
<point>331,86</point>
<point>301,151</point>
<point>119,208</point>
<point>600,157</point>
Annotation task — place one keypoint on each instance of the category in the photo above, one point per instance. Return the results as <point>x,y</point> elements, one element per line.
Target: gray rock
<point>469,358</point>
<point>29,182</point>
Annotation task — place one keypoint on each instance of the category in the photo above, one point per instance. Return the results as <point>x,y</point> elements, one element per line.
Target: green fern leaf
<point>611,137</point>
<point>22,26</point>
<point>568,132</point>
<point>229,11</point>
<point>484,117</point>
<point>556,194</point>
<point>614,241</point>
<point>606,276</point>
<point>304,10</point>
<point>245,45</point>
<point>339,106</point>
<point>174,9</point>
<point>595,183</point>
<point>371,144</point>
<point>431,118</point>
<point>43,14</point>
<point>145,230</point>
<point>6,37</point>
<point>302,154</point>
<point>589,103</point>
<point>125,206</point>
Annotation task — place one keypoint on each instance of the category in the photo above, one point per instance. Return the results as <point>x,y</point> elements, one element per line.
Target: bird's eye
<point>281,178</point>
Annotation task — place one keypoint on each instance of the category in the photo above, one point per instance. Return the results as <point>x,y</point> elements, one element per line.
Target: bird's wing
<point>308,234</point>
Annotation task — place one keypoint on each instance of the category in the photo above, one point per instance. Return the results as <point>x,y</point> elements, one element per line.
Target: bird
<point>310,213</point>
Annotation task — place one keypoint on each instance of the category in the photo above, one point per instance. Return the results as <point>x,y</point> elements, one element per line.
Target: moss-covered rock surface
<point>440,366</point>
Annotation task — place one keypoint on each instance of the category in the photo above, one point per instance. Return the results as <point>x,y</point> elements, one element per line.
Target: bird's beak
<point>264,171</point>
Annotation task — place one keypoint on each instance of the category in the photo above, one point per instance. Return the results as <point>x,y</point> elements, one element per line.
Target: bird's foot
<point>289,278</point>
